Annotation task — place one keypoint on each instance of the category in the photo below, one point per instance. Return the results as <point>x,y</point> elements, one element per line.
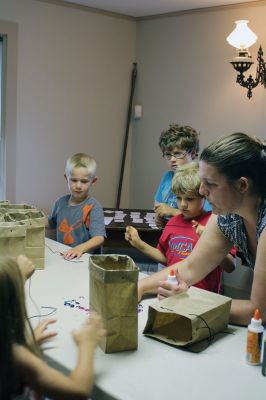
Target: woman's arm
<point>209,251</point>
<point>47,381</point>
<point>243,310</point>
<point>228,263</point>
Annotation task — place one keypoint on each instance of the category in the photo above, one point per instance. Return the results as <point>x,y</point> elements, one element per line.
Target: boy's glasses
<point>177,155</point>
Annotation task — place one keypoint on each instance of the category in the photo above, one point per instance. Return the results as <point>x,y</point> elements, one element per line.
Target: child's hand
<point>160,221</point>
<point>163,210</point>
<point>132,236</point>
<point>90,332</point>
<point>41,334</point>
<point>198,227</point>
<point>75,252</point>
<point>26,266</point>
<point>166,289</point>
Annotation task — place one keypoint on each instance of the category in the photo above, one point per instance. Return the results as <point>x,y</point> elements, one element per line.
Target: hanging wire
<point>39,315</point>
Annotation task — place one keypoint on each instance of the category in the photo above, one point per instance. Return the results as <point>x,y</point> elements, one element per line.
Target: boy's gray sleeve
<point>96,226</point>
<point>52,218</point>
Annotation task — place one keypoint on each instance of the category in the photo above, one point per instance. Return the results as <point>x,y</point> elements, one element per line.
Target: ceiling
<point>144,8</point>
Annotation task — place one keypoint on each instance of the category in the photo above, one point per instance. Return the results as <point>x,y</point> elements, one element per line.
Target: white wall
<point>68,85</point>
<point>184,76</point>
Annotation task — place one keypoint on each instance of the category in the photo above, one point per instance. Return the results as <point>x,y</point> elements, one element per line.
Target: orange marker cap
<point>257,314</point>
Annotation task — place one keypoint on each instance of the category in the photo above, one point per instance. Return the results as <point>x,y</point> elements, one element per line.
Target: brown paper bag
<point>35,234</point>
<point>113,294</point>
<point>12,238</point>
<point>188,318</point>
<point>5,204</point>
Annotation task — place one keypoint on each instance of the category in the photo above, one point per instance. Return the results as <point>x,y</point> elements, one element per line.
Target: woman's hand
<point>26,266</point>
<point>41,334</point>
<point>167,289</point>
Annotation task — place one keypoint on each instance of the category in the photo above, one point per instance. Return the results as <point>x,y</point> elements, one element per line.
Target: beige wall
<point>184,76</point>
<point>9,117</point>
<point>68,85</point>
<point>67,91</point>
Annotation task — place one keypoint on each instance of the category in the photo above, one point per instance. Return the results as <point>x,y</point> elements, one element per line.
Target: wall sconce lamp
<point>242,38</point>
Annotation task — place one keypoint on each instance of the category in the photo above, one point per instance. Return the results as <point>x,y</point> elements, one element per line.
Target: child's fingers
<point>131,233</point>
<point>127,233</point>
<point>70,254</point>
<point>91,328</point>
<point>130,229</point>
<point>41,333</point>
<point>47,322</point>
<point>48,334</point>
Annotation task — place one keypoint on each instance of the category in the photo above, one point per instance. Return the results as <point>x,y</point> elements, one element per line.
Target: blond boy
<point>77,217</point>
<point>182,231</point>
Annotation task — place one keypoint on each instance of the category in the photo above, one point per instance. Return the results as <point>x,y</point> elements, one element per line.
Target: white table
<point>155,371</point>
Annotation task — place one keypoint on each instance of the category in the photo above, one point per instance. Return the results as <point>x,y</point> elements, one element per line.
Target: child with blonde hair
<point>182,231</point>
<point>23,374</point>
<point>77,217</point>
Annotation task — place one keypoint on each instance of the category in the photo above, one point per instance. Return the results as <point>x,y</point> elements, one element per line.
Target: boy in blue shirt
<point>77,217</point>
<point>179,145</point>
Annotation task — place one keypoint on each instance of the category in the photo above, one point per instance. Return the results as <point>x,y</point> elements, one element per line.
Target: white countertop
<point>155,370</point>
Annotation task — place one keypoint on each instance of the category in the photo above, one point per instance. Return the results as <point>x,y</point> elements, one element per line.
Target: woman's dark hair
<point>238,155</point>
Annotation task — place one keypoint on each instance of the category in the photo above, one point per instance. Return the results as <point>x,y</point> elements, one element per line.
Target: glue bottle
<point>171,278</point>
<point>264,359</point>
<point>254,340</point>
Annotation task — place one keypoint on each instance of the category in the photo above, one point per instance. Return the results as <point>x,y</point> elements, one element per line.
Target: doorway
<point>3,46</point>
